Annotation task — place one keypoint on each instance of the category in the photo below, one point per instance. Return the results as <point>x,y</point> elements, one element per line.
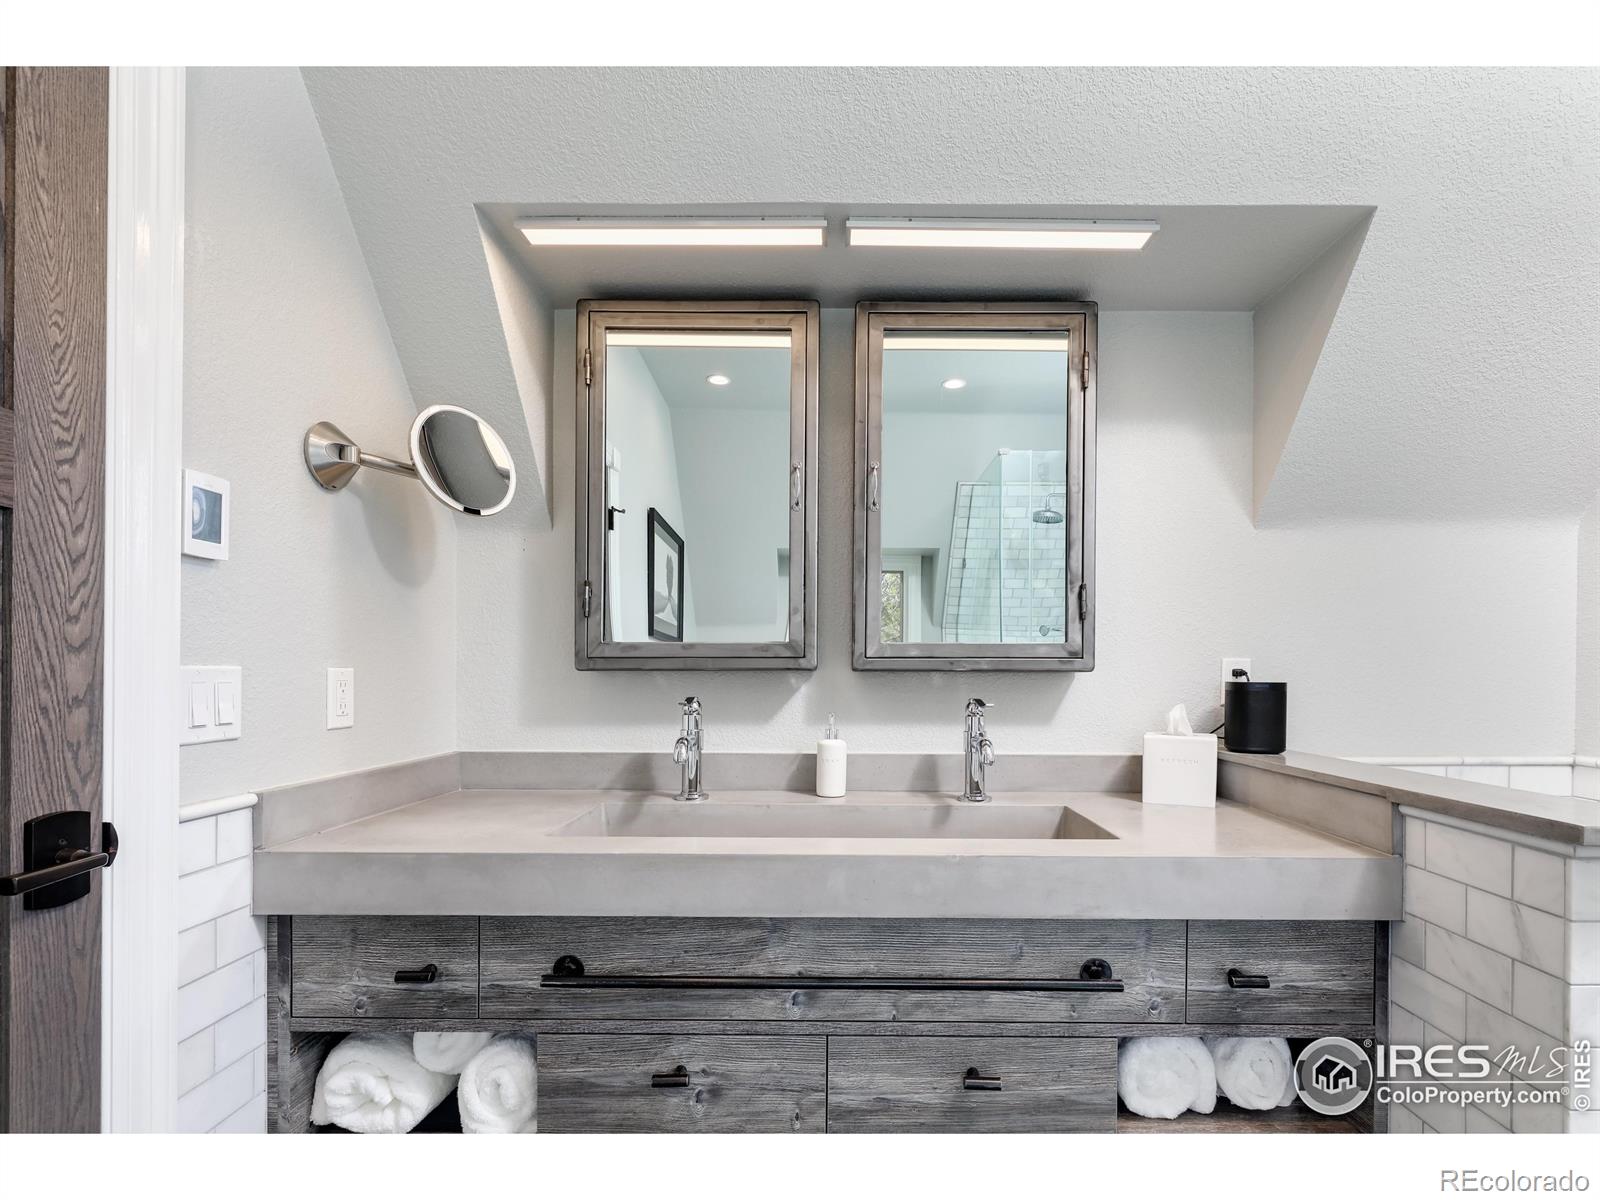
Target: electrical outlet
<point>341,697</point>
<point>1229,666</point>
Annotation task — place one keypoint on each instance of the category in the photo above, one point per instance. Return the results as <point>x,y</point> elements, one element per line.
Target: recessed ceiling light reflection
<point>718,380</point>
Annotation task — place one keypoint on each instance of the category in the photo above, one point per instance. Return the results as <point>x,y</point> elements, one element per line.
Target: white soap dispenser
<point>831,762</point>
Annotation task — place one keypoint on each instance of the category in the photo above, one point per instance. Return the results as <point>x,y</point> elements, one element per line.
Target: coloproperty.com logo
<point>1334,1075</point>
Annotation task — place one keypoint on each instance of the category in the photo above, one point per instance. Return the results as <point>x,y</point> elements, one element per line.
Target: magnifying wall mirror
<point>455,454</point>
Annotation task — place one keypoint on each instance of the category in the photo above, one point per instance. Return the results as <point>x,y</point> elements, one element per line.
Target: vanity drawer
<point>670,1083</point>
<point>972,1085</point>
<point>808,969</point>
<point>1284,972</point>
<point>346,966</point>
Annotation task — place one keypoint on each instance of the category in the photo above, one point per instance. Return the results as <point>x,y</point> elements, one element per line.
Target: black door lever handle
<point>57,859</point>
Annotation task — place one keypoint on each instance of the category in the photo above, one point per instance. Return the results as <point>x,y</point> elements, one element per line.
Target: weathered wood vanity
<point>800,1025</point>
<point>974,978</point>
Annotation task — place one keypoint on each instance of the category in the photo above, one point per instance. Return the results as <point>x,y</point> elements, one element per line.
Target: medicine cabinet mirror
<point>696,485</point>
<point>974,536</point>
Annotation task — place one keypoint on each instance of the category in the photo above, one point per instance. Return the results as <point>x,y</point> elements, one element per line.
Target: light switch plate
<point>341,697</point>
<point>207,697</point>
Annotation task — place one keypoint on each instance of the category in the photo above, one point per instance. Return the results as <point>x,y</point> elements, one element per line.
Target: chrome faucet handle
<point>690,706</point>
<point>680,751</point>
<point>986,752</point>
<point>977,707</point>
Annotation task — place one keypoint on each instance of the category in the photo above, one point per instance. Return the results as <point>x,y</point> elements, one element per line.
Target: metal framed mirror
<point>696,538</point>
<point>974,486</point>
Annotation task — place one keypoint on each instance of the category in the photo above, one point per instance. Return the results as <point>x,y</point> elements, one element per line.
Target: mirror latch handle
<point>874,485</point>
<point>796,478</point>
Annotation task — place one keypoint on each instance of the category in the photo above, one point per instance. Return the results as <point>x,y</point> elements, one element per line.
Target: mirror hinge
<point>1083,602</point>
<point>1086,370</point>
<point>588,370</point>
<point>588,597</point>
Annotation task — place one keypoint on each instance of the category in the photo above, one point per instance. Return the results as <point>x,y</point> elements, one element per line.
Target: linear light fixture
<point>698,340</point>
<point>674,231</point>
<point>963,234</point>
<point>988,341</point>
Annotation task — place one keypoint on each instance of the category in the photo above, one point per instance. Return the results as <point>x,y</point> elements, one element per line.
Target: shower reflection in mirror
<point>973,495</point>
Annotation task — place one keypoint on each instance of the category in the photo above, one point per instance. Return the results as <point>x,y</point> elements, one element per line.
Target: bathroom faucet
<point>687,749</point>
<point>979,752</point>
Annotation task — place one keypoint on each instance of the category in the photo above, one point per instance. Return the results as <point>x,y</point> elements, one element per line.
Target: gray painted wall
<point>1587,733</point>
<point>282,327</point>
<point>1394,637</point>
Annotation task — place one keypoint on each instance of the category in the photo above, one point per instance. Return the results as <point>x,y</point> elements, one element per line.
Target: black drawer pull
<point>427,974</point>
<point>974,1082</point>
<point>1238,979</point>
<point>677,1077</point>
<point>1093,976</point>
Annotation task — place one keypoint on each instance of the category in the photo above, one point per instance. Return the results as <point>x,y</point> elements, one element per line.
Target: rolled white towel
<point>447,1053</point>
<point>1253,1072</point>
<point>371,1083</point>
<point>499,1087</point>
<point>1166,1076</point>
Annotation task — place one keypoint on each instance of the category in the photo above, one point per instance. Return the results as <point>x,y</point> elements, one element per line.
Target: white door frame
<point>144,471</point>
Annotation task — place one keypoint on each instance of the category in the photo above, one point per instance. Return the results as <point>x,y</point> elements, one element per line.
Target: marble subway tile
<point>1407,939</point>
<point>1440,1004</point>
<point>1523,933</point>
<point>1539,879</point>
<point>1549,779</point>
<point>1539,999</point>
<point>1476,970</point>
<point>1437,900</point>
<point>197,845</point>
<point>1583,889</point>
<point>1483,862</point>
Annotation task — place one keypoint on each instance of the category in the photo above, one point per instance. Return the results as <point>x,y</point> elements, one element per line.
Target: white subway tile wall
<point>1501,947</point>
<point>222,965</point>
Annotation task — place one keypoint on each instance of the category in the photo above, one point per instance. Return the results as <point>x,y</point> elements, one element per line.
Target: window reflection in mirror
<point>697,481</point>
<point>974,487</point>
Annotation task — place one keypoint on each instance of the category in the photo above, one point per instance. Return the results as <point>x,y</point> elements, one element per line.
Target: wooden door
<point>52,533</point>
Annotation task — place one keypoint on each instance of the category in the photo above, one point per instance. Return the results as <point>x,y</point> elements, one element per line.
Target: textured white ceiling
<point>1458,380</point>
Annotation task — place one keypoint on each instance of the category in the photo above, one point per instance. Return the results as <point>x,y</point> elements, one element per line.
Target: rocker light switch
<point>199,705</point>
<point>225,704</point>
<point>212,705</point>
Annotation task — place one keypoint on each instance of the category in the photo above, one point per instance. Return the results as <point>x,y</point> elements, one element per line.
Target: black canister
<point>1255,716</point>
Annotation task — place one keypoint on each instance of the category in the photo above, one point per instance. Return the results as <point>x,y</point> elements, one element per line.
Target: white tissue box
<point>1180,768</point>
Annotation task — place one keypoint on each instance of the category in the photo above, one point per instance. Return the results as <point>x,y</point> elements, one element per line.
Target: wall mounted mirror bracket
<point>455,454</point>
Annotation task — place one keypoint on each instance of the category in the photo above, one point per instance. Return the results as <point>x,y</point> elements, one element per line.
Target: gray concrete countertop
<point>1572,820</point>
<point>504,852</point>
